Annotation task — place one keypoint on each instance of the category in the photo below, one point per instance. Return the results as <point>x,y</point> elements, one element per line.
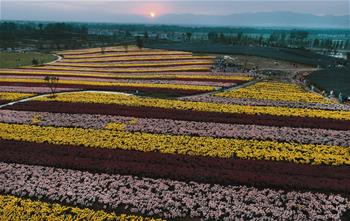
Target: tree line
<point>295,39</point>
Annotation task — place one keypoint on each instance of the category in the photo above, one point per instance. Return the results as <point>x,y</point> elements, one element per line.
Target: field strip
<point>176,114</point>
<point>69,92</point>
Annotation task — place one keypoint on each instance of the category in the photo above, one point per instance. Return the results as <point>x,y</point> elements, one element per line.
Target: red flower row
<point>180,167</point>
<point>162,113</point>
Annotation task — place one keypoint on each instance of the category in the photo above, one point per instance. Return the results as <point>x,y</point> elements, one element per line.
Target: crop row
<point>131,65</point>
<point>110,84</point>
<point>116,75</point>
<point>36,90</point>
<point>180,127</point>
<point>126,70</point>
<point>129,54</point>
<point>185,76</point>
<point>174,114</point>
<point>167,198</point>
<point>138,58</point>
<point>196,106</point>
<point>262,174</point>
<point>16,209</point>
<point>179,144</point>
<point>74,87</point>
<point>134,61</point>
<point>276,103</point>
<point>131,49</point>
<point>277,91</point>
<point>130,81</point>
<point>12,96</point>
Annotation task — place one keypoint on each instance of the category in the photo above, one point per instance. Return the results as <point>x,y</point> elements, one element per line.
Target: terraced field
<point>97,150</point>
<point>153,71</point>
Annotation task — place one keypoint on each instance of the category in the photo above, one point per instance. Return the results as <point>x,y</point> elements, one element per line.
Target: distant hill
<point>258,19</point>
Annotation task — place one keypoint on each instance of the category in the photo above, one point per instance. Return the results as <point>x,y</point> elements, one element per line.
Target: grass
<point>14,59</point>
<point>336,79</point>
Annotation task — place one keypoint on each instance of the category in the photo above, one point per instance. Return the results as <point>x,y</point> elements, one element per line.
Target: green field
<point>286,54</point>
<point>336,79</point>
<point>14,59</point>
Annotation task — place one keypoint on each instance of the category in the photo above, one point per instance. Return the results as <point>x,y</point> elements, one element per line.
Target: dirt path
<point>59,58</point>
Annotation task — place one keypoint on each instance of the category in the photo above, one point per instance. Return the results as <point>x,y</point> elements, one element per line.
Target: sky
<point>127,11</point>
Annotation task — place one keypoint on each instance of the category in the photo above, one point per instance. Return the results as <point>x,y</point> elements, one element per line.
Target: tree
<point>40,26</point>
<point>128,34</point>
<point>222,38</point>
<point>126,47</point>
<point>103,49</point>
<point>139,42</point>
<point>316,43</point>
<point>347,44</point>
<point>213,36</point>
<point>261,39</point>
<point>35,62</point>
<point>239,36</point>
<point>189,36</point>
<point>52,82</point>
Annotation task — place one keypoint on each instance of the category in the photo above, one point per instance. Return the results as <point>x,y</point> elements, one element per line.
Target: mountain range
<point>258,19</point>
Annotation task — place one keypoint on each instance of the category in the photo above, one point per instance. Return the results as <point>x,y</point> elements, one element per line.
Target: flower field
<point>152,71</point>
<point>220,147</point>
<point>276,91</point>
<point>9,95</point>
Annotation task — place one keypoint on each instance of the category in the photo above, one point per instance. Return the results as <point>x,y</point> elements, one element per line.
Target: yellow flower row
<point>115,84</point>
<point>129,76</point>
<point>276,86</point>
<point>10,96</point>
<point>16,209</point>
<point>128,70</point>
<point>139,53</point>
<point>130,65</point>
<point>149,58</point>
<point>178,144</point>
<point>120,99</point>
<point>277,91</point>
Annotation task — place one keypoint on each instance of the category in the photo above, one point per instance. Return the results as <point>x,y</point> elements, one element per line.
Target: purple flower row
<point>168,126</point>
<point>143,81</point>
<point>167,198</point>
<point>36,90</point>
<point>254,102</point>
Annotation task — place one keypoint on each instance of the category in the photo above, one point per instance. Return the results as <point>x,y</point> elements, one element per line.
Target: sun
<point>152,14</point>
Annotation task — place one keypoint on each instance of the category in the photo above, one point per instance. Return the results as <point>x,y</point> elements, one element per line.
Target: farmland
<point>152,134</point>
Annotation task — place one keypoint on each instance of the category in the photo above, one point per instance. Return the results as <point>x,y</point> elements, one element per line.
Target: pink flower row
<point>167,198</point>
<point>254,102</point>
<point>282,134</point>
<point>143,81</point>
<point>36,90</point>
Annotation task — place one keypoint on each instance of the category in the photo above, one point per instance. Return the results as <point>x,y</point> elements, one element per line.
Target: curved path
<point>59,58</point>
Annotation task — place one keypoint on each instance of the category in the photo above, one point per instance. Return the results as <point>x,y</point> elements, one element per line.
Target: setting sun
<point>152,14</point>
